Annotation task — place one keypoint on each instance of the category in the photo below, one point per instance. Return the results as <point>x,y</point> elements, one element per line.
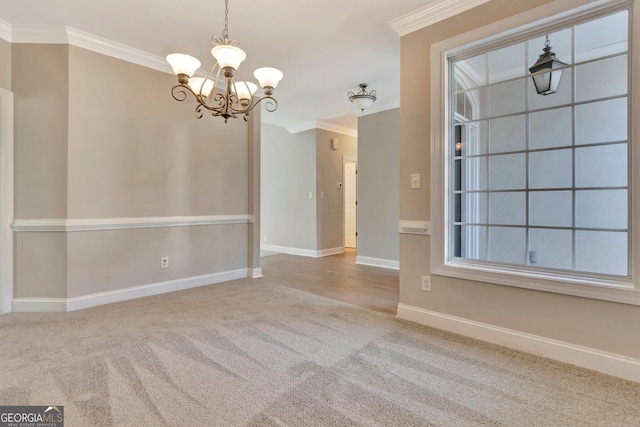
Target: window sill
<point>621,291</point>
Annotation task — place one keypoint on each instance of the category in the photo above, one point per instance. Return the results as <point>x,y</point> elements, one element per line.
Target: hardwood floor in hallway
<point>337,277</point>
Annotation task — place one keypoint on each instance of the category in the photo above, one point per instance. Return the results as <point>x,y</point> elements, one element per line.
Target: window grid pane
<point>539,185</point>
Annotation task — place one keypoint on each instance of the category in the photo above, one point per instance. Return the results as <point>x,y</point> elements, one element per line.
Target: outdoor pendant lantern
<point>547,72</point>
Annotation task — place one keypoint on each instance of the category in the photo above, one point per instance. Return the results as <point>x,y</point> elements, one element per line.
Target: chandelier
<point>237,96</point>
<point>363,99</point>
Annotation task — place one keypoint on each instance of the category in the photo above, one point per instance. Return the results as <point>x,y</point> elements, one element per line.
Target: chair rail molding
<point>97,224</point>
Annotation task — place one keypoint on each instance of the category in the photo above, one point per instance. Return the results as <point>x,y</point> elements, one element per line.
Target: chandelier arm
<point>179,92</point>
<point>198,111</point>
<point>215,94</point>
<point>270,105</point>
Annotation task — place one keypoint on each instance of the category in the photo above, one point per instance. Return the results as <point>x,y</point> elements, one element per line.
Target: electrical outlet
<point>164,262</point>
<point>426,283</point>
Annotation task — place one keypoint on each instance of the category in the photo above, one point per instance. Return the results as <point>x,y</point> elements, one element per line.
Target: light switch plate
<point>415,180</point>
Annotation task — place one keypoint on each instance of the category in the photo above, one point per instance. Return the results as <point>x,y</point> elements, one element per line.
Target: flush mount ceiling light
<point>363,99</point>
<point>237,96</point>
<point>546,72</point>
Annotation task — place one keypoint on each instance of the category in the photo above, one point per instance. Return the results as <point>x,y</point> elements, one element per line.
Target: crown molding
<point>337,128</point>
<point>41,34</point>
<point>430,14</point>
<point>302,127</point>
<point>5,31</point>
<point>117,50</point>
<point>66,35</point>
<point>320,124</point>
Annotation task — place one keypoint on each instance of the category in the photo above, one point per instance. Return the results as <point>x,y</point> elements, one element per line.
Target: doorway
<point>350,172</point>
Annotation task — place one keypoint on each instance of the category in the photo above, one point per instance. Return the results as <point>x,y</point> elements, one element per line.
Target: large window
<point>539,184</point>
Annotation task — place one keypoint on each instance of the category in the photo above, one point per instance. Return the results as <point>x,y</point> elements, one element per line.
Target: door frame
<point>345,160</point>
<point>6,200</point>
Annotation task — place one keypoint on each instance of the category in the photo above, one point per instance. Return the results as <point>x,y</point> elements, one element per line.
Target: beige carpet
<point>251,353</point>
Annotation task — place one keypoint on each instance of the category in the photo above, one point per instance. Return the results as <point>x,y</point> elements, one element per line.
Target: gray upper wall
<point>288,175</point>
<point>601,325</point>
<point>379,185</point>
<point>329,173</point>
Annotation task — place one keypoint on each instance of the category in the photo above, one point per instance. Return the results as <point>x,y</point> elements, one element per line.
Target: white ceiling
<point>324,47</point>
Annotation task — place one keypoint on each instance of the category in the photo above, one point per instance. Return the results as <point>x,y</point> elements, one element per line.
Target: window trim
<point>557,14</point>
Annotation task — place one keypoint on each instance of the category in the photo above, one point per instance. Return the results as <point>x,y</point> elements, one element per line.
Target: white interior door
<point>350,204</point>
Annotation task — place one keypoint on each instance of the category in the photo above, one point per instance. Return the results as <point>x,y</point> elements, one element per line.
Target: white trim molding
<point>48,34</point>
<point>324,125</point>
<point>331,127</point>
<point>430,14</point>
<point>378,262</point>
<point>585,357</point>
<point>330,251</point>
<point>311,253</point>
<point>415,227</point>
<point>255,273</point>
<point>39,305</point>
<point>6,200</point>
<point>5,31</point>
<point>99,224</point>
<point>45,305</point>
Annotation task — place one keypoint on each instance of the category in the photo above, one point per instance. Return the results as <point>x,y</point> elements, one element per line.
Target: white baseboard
<point>86,301</point>
<point>330,251</point>
<point>39,305</point>
<point>585,357</point>
<point>256,273</point>
<point>302,252</point>
<point>378,262</point>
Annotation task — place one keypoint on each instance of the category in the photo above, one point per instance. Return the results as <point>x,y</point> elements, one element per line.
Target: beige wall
<point>41,104</point>
<point>601,325</point>
<point>111,260</point>
<point>96,137</point>
<point>330,215</point>
<point>5,64</point>
<point>135,151</point>
<point>40,265</point>
<point>41,100</point>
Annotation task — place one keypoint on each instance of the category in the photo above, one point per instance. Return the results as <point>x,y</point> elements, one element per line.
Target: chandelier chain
<point>225,33</point>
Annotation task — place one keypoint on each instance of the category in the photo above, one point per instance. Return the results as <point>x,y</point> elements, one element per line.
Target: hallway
<point>336,277</point>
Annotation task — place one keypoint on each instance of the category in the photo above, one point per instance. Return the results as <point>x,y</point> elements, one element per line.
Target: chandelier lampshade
<point>235,97</point>
<point>228,56</point>
<point>182,64</point>
<point>200,85</point>
<point>244,90</point>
